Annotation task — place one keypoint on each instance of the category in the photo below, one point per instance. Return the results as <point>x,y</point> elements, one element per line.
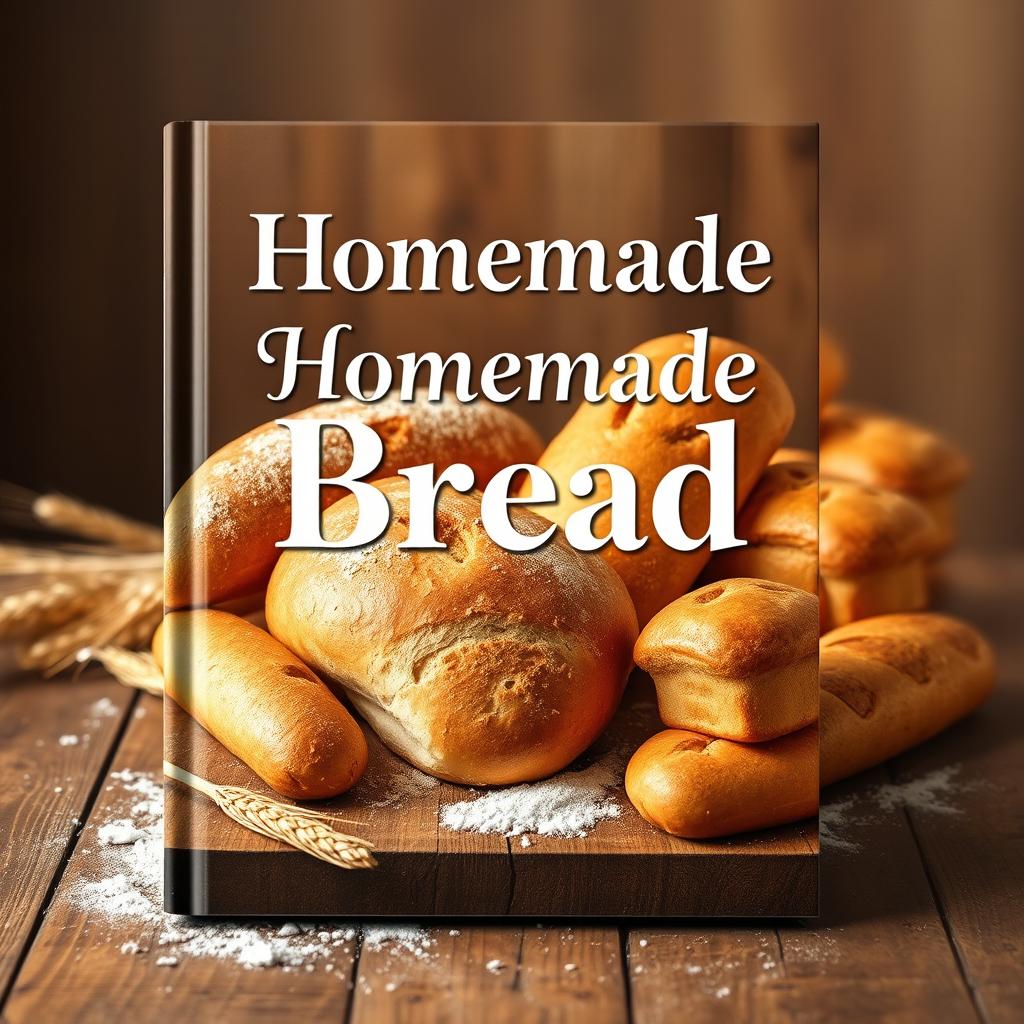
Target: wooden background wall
<point>921,145</point>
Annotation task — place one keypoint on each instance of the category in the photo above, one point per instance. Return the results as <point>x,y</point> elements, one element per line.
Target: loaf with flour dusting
<point>221,528</point>
<point>477,664</point>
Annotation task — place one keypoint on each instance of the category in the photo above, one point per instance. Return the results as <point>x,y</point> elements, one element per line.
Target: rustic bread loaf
<point>650,439</point>
<point>872,552</point>
<point>701,787</point>
<point>736,659</point>
<point>222,526</point>
<point>779,522</point>
<point>885,451</point>
<point>255,697</point>
<point>891,682</point>
<point>477,664</point>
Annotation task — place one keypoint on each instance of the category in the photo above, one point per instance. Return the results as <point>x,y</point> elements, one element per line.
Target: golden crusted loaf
<point>779,522</point>
<point>254,696</point>
<point>222,526</point>
<point>650,440</point>
<point>701,787</point>
<point>894,681</point>
<point>736,659</point>
<point>477,664</point>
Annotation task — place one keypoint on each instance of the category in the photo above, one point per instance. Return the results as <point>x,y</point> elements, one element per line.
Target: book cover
<point>491,529</point>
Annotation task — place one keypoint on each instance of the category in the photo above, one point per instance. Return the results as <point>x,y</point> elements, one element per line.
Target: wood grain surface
<point>920,913</point>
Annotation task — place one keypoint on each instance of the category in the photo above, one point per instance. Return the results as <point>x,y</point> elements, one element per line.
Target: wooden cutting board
<point>624,867</point>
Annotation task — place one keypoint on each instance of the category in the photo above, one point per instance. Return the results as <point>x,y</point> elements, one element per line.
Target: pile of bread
<point>487,667</point>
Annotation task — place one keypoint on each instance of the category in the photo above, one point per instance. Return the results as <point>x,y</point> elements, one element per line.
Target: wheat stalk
<point>304,829</point>
<point>26,560</point>
<point>49,603</point>
<point>130,668</point>
<point>69,515</point>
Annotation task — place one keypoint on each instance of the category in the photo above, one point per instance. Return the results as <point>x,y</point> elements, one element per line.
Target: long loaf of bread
<point>653,438</point>
<point>254,696</point>
<point>221,528</point>
<point>891,682</point>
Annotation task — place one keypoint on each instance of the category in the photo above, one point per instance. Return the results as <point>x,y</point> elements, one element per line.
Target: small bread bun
<point>701,787</point>
<point>872,552</point>
<point>885,451</point>
<point>779,522</point>
<point>650,439</point>
<point>221,528</point>
<point>477,664</point>
<point>894,681</point>
<point>832,369</point>
<point>255,697</point>
<point>737,659</point>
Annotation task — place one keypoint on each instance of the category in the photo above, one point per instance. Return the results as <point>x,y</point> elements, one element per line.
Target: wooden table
<point>924,921</point>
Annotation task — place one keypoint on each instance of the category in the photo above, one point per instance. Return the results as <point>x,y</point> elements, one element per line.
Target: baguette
<point>221,528</point>
<point>650,439</point>
<point>254,696</point>
<point>477,664</point>
<point>894,681</point>
<point>701,787</point>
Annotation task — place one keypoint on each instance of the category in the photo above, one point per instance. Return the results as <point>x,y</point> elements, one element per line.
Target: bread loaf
<point>255,697</point>
<point>884,451</point>
<point>222,526</point>
<point>736,659</point>
<point>794,455</point>
<point>831,369</point>
<point>872,552</point>
<point>779,522</point>
<point>477,664</point>
<point>701,787</point>
<point>891,682</point>
<point>650,439</point>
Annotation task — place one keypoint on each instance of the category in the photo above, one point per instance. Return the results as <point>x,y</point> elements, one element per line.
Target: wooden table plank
<point>494,973</point>
<point>48,784</point>
<point>76,969</point>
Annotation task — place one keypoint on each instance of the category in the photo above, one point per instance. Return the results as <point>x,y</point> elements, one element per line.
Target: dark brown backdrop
<point>922,155</point>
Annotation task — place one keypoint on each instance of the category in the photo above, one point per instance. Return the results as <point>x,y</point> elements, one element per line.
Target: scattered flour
<point>103,708</point>
<point>68,740</point>
<point>119,833</point>
<point>569,805</point>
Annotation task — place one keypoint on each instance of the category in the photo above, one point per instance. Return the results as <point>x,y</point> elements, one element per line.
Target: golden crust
<point>783,507</point>
<point>864,529</point>
<point>651,439</point>
<point>885,451</point>
<point>477,664</point>
<point>794,455</point>
<point>222,526</point>
<point>891,682</point>
<point>736,628</point>
<point>700,787</point>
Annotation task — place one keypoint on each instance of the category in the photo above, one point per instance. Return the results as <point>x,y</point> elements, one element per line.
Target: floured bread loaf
<point>885,451</point>
<point>737,659</point>
<point>873,549</point>
<point>222,526</point>
<point>476,664</point>
<point>894,681</point>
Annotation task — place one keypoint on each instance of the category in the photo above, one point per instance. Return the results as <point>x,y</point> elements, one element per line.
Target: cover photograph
<point>491,536</point>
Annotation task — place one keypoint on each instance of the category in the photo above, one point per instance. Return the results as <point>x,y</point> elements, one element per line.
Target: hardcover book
<point>491,563</point>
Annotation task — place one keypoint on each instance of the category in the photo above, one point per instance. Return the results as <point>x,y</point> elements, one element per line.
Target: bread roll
<point>884,451</point>
<point>701,787</point>
<point>894,681</point>
<point>779,522</point>
<point>222,526</point>
<point>651,439</point>
<point>872,552</point>
<point>477,664</point>
<point>255,697</point>
<point>831,369</point>
<point>737,659</point>
<point>794,455</point>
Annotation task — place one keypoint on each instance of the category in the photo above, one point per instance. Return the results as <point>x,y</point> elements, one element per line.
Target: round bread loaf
<point>650,439</point>
<point>255,697</point>
<point>221,528</point>
<point>701,787</point>
<point>478,665</point>
<point>891,682</point>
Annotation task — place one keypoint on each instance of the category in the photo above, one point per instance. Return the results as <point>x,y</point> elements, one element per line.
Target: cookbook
<point>491,554</point>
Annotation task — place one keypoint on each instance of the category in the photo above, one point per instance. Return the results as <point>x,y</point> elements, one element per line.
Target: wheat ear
<point>304,829</point>
<point>138,669</point>
<point>76,517</point>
